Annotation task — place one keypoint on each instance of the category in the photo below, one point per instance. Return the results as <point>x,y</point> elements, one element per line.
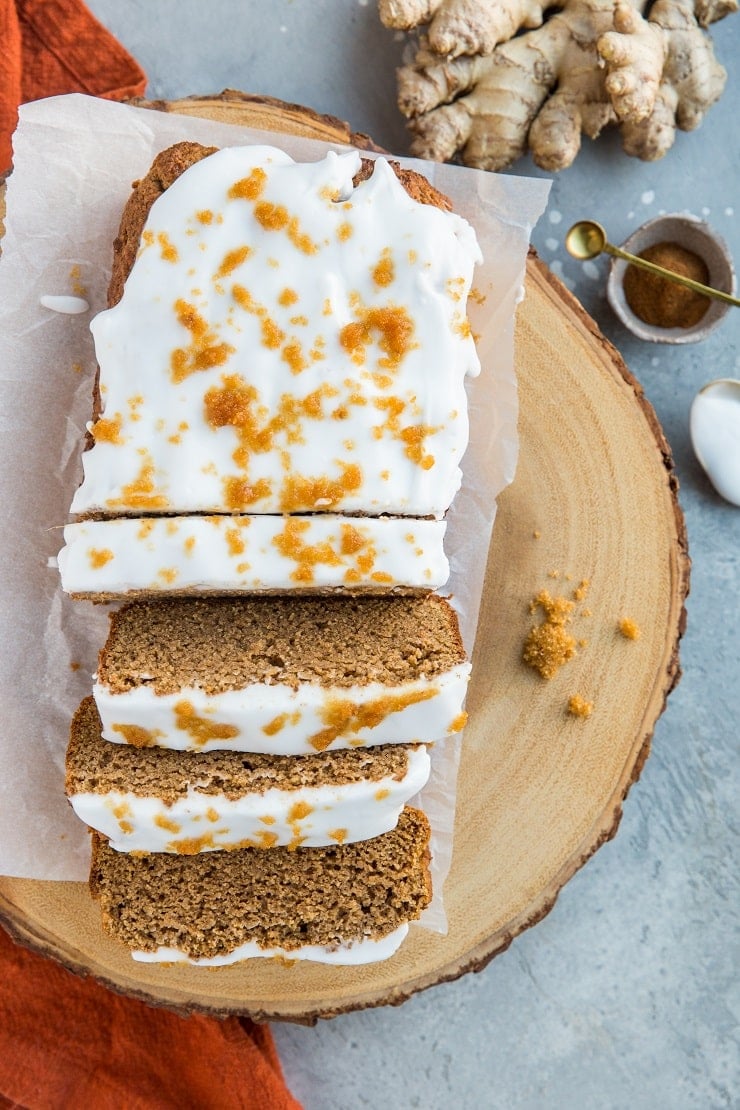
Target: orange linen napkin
<point>66,1041</point>
<point>48,47</point>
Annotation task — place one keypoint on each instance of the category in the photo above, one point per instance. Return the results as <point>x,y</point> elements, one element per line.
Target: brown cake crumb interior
<point>95,766</point>
<point>165,169</point>
<point>209,904</point>
<point>223,643</point>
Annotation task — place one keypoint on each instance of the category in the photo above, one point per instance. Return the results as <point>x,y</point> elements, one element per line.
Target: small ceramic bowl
<point>696,236</point>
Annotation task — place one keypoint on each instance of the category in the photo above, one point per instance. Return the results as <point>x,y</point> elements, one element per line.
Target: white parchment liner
<point>75,158</point>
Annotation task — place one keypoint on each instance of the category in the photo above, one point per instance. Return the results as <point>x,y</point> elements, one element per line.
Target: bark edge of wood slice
<point>594,498</point>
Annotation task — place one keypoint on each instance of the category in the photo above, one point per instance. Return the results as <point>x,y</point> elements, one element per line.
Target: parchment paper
<point>75,158</point>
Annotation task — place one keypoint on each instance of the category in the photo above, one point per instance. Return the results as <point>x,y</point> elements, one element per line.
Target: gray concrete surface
<point>626,995</point>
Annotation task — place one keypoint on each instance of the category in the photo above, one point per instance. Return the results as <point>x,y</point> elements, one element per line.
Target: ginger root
<point>662,72</point>
<point>465,26</point>
<point>492,79</point>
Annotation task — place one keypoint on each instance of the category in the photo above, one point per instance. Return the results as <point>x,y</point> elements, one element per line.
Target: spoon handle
<point>697,286</point>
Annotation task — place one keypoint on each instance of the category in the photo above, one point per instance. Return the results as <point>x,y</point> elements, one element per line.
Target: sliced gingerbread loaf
<point>155,800</point>
<point>280,412</point>
<point>282,675</point>
<point>349,903</point>
<point>125,557</point>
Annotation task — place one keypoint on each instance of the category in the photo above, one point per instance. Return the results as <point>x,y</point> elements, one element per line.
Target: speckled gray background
<point>626,996</point>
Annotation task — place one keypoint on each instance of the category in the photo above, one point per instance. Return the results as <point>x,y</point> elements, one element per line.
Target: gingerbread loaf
<point>279,413</point>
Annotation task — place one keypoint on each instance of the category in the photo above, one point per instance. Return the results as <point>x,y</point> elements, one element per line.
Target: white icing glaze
<point>281,720</point>
<point>365,951</point>
<point>335,347</point>
<point>67,305</point>
<point>309,816</point>
<point>320,551</point>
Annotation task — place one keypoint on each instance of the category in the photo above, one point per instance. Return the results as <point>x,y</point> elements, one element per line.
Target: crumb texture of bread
<point>96,766</point>
<point>207,905</point>
<point>165,169</point>
<point>218,644</point>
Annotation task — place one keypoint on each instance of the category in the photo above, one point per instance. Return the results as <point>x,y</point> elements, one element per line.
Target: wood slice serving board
<point>539,790</point>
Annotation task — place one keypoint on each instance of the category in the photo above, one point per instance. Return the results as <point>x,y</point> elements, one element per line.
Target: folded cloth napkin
<point>48,47</point>
<point>67,1041</point>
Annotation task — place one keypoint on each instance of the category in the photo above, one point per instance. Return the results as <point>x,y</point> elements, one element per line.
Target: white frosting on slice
<point>285,343</point>
<point>366,951</point>
<point>311,816</point>
<point>283,720</point>
<point>251,553</point>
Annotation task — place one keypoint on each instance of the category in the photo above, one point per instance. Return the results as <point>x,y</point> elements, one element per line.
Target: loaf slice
<point>349,903</point>
<point>155,800</point>
<point>284,676</point>
<point>103,560</point>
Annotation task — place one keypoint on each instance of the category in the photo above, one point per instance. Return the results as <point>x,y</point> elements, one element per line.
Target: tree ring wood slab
<point>594,498</point>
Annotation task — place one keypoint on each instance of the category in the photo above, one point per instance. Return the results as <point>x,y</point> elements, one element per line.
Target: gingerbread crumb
<point>557,610</point>
<point>629,628</point>
<point>548,645</point>
<point>78,288</point>
<point>579,707</point>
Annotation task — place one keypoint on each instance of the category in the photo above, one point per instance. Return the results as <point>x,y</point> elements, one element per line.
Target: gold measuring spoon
<point>587,239</point>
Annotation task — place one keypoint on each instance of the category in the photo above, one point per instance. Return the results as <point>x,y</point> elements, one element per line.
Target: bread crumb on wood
<point>557,610</point>
<point>629,628</point>
<point>579,707</point>
<point>548,645</point>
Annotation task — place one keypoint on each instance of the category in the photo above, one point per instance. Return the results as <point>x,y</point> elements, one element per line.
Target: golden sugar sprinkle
<point>98,557</point>
<point>629,629</point>
<point>167,248</point>
<point>579,707</point>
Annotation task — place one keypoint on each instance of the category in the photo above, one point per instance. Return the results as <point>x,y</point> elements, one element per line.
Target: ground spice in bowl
<point>659,310</point>
<point>659,301</point>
